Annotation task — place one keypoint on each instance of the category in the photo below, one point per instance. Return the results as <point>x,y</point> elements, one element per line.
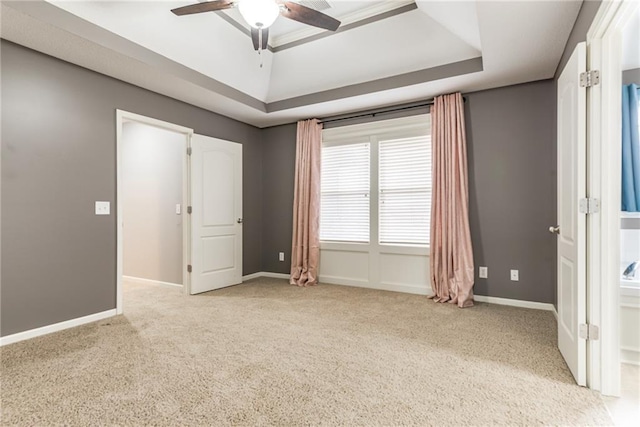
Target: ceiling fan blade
<point>255,38</point>
<point>309,16</point>
<point>210,6</point>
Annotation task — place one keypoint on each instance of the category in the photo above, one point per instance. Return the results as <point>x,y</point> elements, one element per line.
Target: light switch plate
<point>178,209</point>
<point>281,256</point>
<point>103,208</point>
<point>483,272</point>
<point>515,276</point>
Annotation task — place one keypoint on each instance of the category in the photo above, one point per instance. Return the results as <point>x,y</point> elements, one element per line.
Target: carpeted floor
<point>266,353</point>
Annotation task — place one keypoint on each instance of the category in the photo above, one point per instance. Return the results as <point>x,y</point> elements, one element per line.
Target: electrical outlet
<point>103,208</point>
<point>281,256</point>
<point>484,272</point>
<point>515,276</point>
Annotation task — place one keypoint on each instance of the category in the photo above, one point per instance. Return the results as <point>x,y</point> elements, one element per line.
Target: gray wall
<point>58,157</point>
<point>511,144</point>
<point>279,172</point>
<point>585,17</point>
<point>578,34</point>
<point>152,186</point>
<point>630,223</point>
<point>631,76</point>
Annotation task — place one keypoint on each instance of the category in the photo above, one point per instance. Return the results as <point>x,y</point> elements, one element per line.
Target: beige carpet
<point>266,353</point>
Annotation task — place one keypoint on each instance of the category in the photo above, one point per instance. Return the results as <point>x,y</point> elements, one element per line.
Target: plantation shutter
<point>405,190</point>
<point>344,205</point>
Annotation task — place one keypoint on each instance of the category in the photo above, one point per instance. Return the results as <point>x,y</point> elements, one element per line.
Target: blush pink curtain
<point>305,246</point>
<point>452,271</point>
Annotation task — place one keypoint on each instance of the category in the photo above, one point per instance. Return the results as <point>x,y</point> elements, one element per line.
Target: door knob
<point>555,230</point>
<point>239,220</point>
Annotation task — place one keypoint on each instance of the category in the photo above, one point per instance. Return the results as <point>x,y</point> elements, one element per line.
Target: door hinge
<point>589,205</point>
<point>589,332</point>
<point>188,151</point>
<point>189,268</point>
<point>189,209</point>
<point>589,78</point>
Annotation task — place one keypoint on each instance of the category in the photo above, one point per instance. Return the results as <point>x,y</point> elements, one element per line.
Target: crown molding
<point>347,19</point>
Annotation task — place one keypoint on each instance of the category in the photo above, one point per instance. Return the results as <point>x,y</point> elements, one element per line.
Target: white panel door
<point>216,219</point>
<point>571,229</point>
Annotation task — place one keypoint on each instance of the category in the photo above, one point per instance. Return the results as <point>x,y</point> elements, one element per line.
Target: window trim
<point>405,127</point>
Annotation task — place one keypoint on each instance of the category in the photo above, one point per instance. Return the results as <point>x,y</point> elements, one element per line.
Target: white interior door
<point>216,219</point>
<point>571,227</point>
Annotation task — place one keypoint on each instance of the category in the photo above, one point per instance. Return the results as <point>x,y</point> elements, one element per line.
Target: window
<point>376,183</point>
<point>405,190</point>
<point>344,201</point>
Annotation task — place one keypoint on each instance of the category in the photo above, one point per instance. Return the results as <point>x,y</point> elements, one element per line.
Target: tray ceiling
<point>385,52</point>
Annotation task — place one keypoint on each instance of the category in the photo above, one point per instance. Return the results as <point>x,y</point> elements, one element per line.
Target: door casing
<point>604,53</point>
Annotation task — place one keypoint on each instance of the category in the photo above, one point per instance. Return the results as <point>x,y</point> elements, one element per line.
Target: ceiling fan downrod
<point>260,45</point>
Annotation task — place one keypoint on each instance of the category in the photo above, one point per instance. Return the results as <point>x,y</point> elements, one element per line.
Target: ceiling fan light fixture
<point>259,13</point>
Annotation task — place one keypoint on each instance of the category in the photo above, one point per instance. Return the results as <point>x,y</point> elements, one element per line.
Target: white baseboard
<point>630,355</point>
<point>427,291</point>
<point>515,303</point>
<point>265,274</point>
<point>251,276</point>
<point>412,290</point>
<point>393,287</point>
<point>342,281</point>
<point>149,281</point>
<point>276,275</point>
<point>44,330</point>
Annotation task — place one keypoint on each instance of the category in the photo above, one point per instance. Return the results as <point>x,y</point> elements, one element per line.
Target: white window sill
<point>419,250</point>
<point>344,246</point>
<point>629,214</point>
<point>630,291</point>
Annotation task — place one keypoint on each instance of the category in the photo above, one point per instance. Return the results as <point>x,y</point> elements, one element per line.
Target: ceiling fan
<point>260,14</point>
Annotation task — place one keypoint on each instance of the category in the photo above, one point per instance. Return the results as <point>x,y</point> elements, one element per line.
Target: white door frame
<point>604,50</point>
<point>121,118</point>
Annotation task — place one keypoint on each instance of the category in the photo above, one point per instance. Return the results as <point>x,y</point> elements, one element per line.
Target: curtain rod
<point>385,111</point>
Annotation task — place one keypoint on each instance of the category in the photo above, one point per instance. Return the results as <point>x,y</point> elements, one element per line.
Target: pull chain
<point>260,45</point>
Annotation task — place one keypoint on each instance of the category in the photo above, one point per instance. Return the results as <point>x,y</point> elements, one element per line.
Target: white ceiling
<point>404,43</point>
<point>431,47</point>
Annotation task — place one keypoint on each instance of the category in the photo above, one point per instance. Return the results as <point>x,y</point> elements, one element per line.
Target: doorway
<point>152,204</point>
<point>626,408</point>
<point>201,216</point>
<point>152,197</point>
<point>630,216</point>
